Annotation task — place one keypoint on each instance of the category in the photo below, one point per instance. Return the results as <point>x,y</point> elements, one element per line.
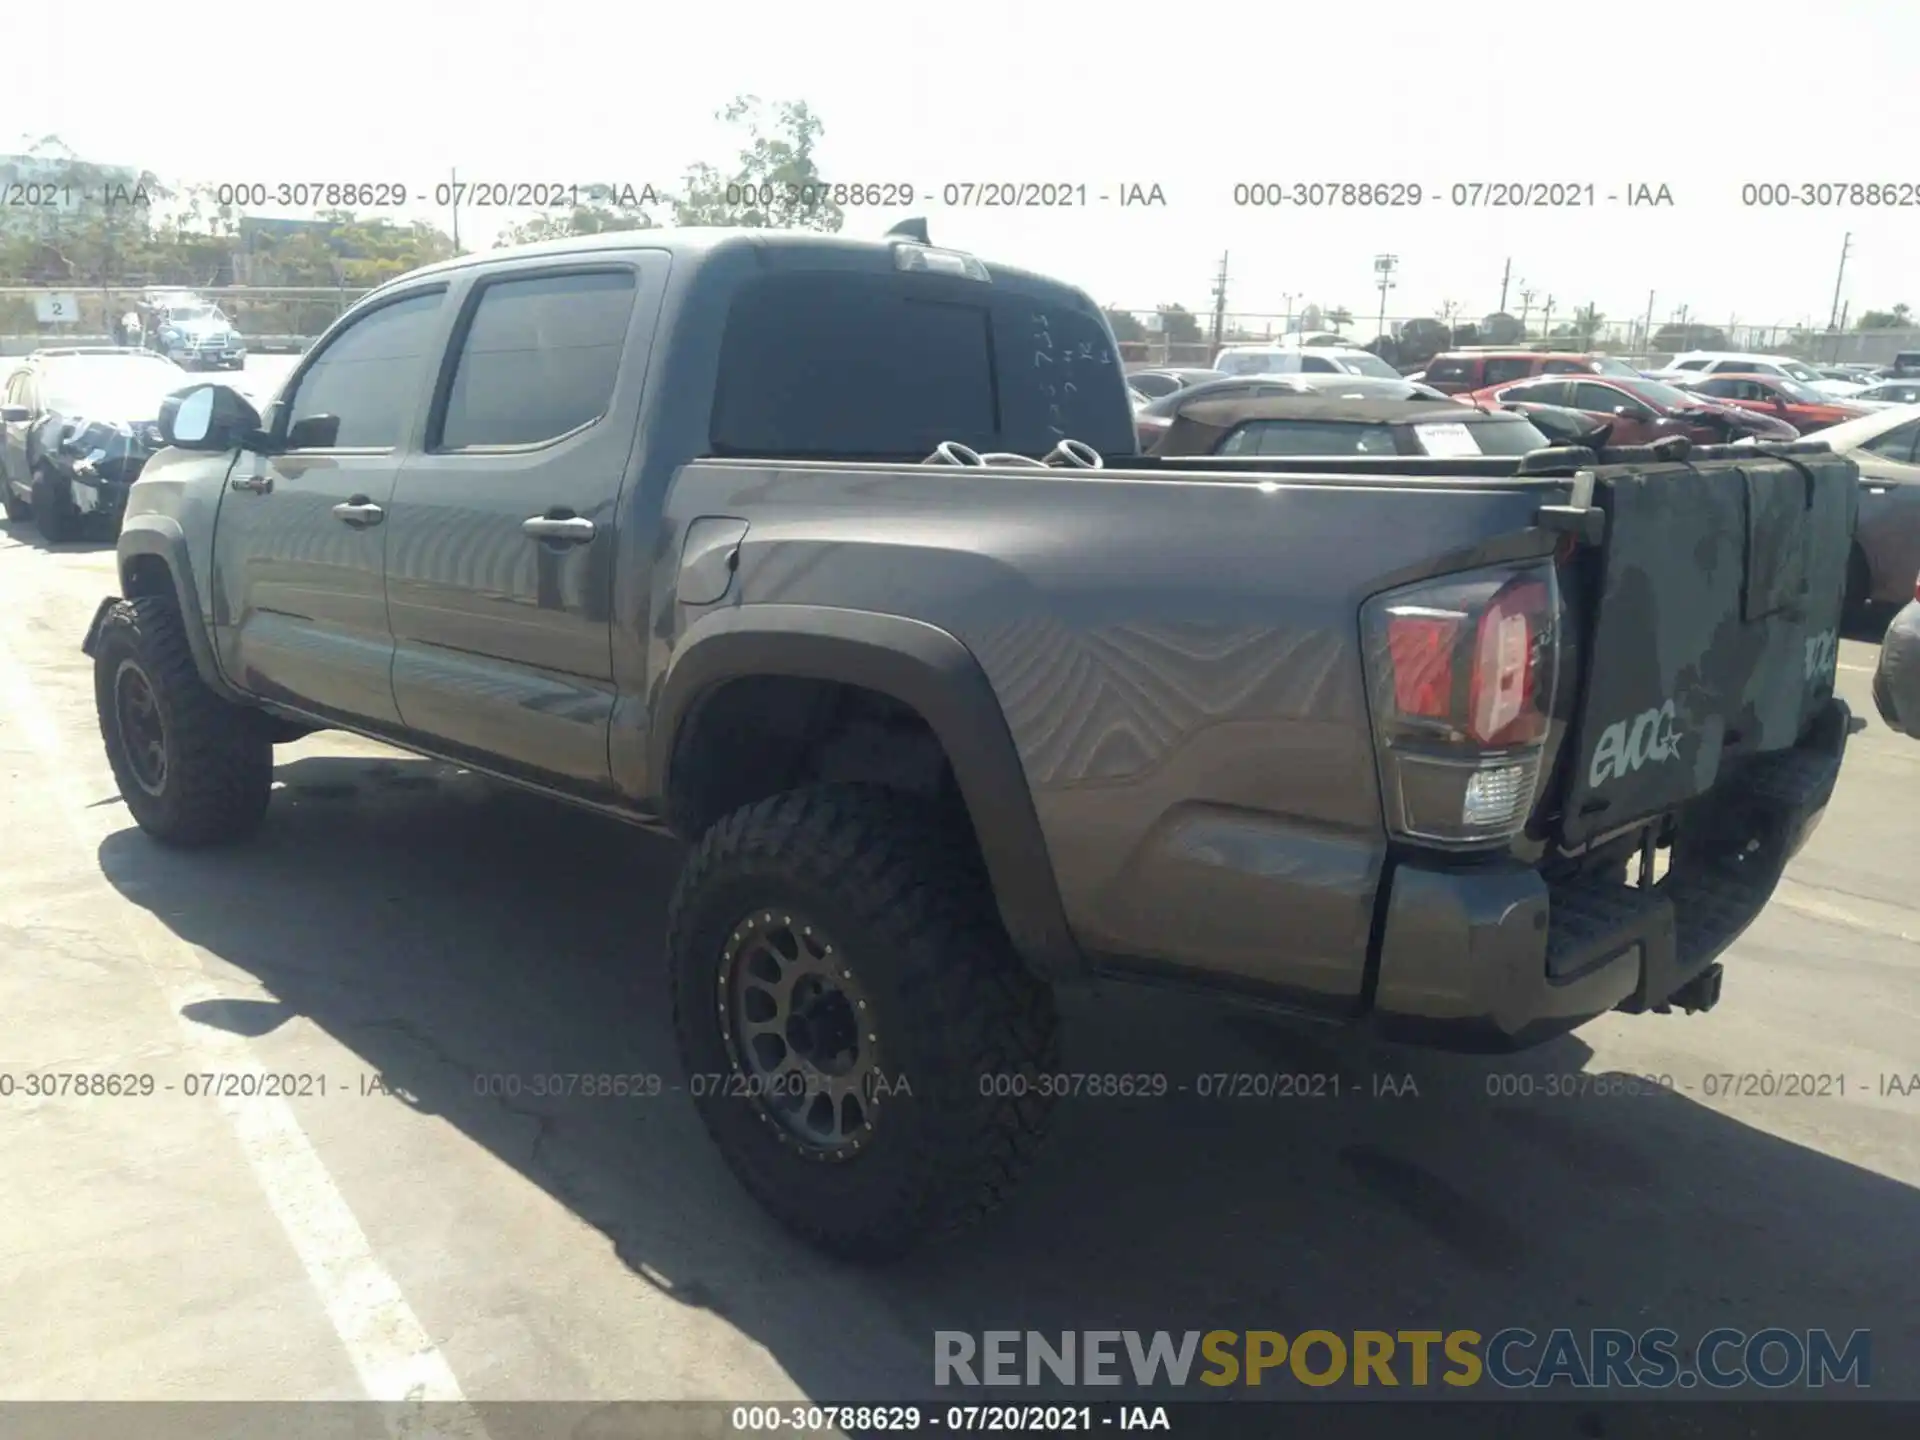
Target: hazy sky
<point>1701,98</point>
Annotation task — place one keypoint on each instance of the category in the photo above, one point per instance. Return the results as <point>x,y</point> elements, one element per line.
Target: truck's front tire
<point>194,769</point>
<point>858,1034</point>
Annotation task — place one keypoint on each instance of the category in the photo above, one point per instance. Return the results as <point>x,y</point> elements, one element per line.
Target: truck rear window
<point>859,365</point>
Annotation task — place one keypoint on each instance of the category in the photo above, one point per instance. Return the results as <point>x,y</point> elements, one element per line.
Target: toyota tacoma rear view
<point>837,559</point>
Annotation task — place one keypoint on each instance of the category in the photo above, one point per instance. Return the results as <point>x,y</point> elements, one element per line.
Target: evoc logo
<point>1626,745</point>
<point>1823,653</point>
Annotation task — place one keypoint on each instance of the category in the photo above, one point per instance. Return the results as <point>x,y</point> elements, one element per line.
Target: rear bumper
<point>1497,958</point>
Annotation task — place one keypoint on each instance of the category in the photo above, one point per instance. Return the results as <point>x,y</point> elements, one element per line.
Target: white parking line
<point>395,1358</point>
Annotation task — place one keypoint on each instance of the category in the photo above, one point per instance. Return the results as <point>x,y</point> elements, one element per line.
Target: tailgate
<point>1715,630</point>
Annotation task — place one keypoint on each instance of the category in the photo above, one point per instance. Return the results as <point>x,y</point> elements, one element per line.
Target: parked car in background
<point>1708,362</point>
<point>1888,392</point>
<point>1842,381</point>
<point>1150,422</point>
<point>1458,372</point>
<point>1896,679</point>
<point>1886,538</point>
<point>1801,406</point>
<point>195,334</point>
<point>76,427</point>
<point>1322,425</point>
<point>1301,360</point>
<point>1155,383</point>
<point>1641,410</point>
<point>1906,363</point>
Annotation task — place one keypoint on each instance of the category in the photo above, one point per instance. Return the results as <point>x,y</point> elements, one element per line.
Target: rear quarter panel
<point>1178,664</point>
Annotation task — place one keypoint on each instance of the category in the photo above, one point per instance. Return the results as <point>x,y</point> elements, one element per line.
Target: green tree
<point>1339,317</point>
<point>1126,326</point>
<point>1898,318</point>
<point>1179,326</point>
<point>775,181</point>
<point>1586,322</point>
<point>604,210</point>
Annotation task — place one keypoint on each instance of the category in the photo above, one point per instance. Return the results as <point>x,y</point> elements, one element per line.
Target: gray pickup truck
<point>836,559</point>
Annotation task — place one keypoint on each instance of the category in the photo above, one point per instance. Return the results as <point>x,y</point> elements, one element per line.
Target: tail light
<point>1461,673</point>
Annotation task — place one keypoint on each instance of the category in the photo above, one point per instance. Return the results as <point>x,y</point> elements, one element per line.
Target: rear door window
<point>1308,437</point>
<point>1152,385</point>
<point>883,366</point>
<point>539,359</point>
<point>1546,392</point>
<point>1450,372</point>
<point>1897,444</point>
<point>1601,398</point>
<point>1508,367</point>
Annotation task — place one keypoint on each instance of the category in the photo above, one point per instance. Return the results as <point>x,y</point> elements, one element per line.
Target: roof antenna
<point>914,229</point>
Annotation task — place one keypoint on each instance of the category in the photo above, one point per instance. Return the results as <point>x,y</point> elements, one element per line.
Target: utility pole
<point>1384,266</point>
<point>1546,320</point>
<point>453,194</point>
<point>1646,339</point>
<point>1526,304</point>
<point>1833,316</point>
<point>1220,303</point>
<point>1505,276</point>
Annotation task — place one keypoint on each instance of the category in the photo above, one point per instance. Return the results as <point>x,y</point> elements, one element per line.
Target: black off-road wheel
<point>54,514</point>
<point>194,769</point>
<point>859,1036</point>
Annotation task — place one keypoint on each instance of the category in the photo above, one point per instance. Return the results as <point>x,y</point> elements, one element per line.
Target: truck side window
<point>1507,368</point>
<point>369,372</point>
<point>539,359</point>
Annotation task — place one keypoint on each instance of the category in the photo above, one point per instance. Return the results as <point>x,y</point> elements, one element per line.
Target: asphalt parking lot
<point>407,932</point>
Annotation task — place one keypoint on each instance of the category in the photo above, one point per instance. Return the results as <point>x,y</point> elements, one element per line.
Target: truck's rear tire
<point>858,1034</point>
<point>194,769</point>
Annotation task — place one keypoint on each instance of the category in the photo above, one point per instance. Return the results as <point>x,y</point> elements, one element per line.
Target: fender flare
<point>921,666</point>
<point>161,536</point>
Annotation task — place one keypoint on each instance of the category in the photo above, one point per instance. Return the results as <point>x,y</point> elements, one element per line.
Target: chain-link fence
<point>1417,338</point>
<point>269,318</point>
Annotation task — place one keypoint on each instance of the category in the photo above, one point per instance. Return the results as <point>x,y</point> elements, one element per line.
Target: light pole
<point>1526,305</point>
<point>1384,266</point>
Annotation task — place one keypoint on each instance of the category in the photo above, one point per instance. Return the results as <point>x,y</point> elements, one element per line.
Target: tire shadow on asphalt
<point>444,928</point>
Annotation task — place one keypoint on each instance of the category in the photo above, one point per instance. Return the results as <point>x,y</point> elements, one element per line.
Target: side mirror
<point>15,414</point>
<point>207,417</point>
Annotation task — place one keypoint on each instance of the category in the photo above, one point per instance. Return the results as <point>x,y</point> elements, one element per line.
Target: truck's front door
<point>501,547</point>
<point>300,609</point>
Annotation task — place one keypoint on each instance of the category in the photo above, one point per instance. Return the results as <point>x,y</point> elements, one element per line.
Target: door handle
<point>258,484</point>
<point>359,513</point>
<point>568,529</point>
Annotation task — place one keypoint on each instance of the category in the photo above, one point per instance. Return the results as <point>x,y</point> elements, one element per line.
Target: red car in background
<point>1779,396</point>
<point>1459,371</point>
<point>1641,410</point>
